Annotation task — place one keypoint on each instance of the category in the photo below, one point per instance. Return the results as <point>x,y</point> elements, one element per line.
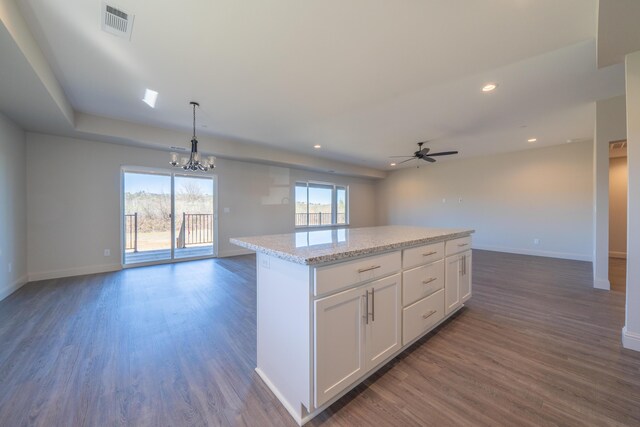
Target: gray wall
<point>509,199</point>
<point>13,209</point>
<point>74,202</point>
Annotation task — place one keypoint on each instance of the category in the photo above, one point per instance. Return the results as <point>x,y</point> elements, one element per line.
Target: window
<point>320,204</point>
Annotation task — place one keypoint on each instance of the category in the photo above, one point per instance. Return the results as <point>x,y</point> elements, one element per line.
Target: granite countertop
<point>316,247</point>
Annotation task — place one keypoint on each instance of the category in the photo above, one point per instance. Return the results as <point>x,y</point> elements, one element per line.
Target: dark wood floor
<point>175,345</point>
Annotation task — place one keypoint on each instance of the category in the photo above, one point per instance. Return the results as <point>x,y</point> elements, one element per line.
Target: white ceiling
<point>364,79</point>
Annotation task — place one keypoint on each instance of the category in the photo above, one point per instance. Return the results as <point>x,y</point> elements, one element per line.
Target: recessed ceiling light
<point>569,141</point>
<point>532,140</point>
<point>150,97</point>
<point>489,87</point>
<point>392,164</point>
<point>317,146</point>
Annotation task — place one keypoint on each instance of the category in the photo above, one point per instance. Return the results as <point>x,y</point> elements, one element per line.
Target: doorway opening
<point>618,178</point>
<point>167,217</point>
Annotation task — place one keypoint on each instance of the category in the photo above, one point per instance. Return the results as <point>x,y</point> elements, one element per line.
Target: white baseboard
<point>13,287</point>
<point>296,416</point>
<point>56,274</point>
<point>234,252</point>
<point>549,254</point>
<point>630,340</point>
<point>614,254</point>
<point>600,283</point>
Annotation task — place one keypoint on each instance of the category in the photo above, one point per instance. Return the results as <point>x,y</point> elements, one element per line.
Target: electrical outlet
<point>107,252</point>
<point>264,262</point>
<point>10,267</point>
<point>536,241</point>
<point>459,199</point>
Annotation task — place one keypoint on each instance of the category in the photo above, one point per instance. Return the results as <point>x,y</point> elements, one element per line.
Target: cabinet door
<point>465,278</point>
<point>339,342</point>
<point>383,327</point>
<point>452,283</point>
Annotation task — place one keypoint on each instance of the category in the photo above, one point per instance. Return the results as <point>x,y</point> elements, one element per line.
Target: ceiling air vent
<point>116,21</point>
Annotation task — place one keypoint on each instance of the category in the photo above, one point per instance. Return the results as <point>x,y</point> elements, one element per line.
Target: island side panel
<point>283,334</point>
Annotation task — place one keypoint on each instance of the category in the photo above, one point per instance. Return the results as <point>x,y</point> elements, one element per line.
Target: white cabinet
<point>465,280</point>
<point>382,337</point>
<point>457,280</point>
<point>339,342</point>
<point>355,331</point>
<point>418,318</point>
<point>323,328</point>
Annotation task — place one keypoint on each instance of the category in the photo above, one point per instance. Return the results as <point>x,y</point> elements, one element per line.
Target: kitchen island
<point>335,305</point>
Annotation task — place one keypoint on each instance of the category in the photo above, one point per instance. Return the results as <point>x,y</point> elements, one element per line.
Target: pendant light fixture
<point>194,161</point>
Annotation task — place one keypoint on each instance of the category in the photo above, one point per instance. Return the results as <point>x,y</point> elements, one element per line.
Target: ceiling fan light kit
<point>194,162</point>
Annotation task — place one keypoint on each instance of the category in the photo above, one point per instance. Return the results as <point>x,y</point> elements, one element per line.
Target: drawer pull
<point>373,267</point>
<point>430,253</point>
<point>462,244</point>
<point>429,314</point>
<point>426,282</point>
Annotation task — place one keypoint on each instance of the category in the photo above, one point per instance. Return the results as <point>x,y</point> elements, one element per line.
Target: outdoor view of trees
<point>149,197</point>
<point>154,210</point>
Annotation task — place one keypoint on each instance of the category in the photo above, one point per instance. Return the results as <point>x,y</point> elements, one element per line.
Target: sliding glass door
<point>167,216</point>
<point>194,223</point>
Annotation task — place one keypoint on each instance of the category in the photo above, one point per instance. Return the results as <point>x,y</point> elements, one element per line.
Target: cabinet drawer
<point>337,276</point>
<point>422,255</point>
<point>422,282</point>
<point>458,245</point>
<point>421,316</point>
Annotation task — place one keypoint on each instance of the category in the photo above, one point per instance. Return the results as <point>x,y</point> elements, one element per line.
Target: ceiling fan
<point>423,153</point>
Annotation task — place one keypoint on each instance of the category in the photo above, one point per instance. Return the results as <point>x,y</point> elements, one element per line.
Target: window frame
<point>334,203</point>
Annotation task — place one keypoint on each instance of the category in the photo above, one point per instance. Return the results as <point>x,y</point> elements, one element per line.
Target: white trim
<point>13,287</point>
<point>549,254</point>
<point>616,254</point>
<point>297,417</point>
<point>630,340</point>
<point>600,283</point>
<point>56,274</point>
<point>234,252</point>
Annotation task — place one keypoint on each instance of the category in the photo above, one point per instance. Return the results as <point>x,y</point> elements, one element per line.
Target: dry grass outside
<point>158,240</point>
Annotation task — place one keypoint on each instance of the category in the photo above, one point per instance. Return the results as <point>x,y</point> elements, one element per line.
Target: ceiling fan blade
<point>405,161</point>
<point>428,159</point>
<point>444,153</point>
<point>401,156</point>
<point>424,151</point>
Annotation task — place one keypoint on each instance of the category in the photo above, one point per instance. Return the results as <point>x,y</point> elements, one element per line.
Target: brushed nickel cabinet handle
<point>463,244</point>
<point>366,299</point>
<point>426,282</point>
<point>373,267</point>
<point>430,253</point>
<point>373,304</point>
<point>429,314</point>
